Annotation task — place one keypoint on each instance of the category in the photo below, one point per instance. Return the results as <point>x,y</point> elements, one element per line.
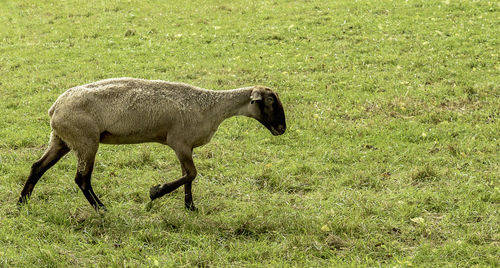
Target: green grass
<point>391,156</point>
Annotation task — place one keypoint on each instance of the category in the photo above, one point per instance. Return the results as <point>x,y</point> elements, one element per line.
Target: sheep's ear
<point>256,95</point>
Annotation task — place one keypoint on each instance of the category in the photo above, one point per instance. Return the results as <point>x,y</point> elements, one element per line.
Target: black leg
<point>188,197</point>
<point>86,158</point>
<point>189,173</point>
<point>82,179</point>
<point>56,150</point>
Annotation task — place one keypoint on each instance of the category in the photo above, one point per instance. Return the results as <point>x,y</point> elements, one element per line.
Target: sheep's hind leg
<point>56,150</point>
<point>83,177</point>
<point>188,175</point>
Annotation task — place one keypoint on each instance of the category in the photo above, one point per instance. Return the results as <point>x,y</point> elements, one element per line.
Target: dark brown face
<point>272,113</point>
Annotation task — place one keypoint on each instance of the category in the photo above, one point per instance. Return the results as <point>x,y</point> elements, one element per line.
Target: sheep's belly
<point>109,138</point>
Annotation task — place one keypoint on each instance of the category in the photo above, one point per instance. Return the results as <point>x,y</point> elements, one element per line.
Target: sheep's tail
<point>52,109</point>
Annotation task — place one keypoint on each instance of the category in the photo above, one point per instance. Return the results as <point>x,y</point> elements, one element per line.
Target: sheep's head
<point>268,109</point>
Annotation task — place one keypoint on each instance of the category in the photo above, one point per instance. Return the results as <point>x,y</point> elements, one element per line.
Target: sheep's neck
<point>230,103</point>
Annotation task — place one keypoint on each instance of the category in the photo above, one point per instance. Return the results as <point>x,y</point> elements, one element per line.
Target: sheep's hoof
<point>191,207</point>
<point>155,192</point>
<point>22,200</point>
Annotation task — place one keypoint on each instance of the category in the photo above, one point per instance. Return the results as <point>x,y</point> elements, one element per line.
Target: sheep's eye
<point>269,100</point>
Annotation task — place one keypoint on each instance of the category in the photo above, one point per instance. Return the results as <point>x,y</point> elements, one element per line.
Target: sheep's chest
<point>203,135</point>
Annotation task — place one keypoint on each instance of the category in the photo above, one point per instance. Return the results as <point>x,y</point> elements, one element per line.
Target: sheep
<point>130,110</point>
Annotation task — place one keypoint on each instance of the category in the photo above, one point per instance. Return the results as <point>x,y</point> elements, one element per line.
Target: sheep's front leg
<point>188,196</point>
<point>189,173</point>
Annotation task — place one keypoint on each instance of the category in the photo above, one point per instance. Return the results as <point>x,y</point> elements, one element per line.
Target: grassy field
<point>391,156</point>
